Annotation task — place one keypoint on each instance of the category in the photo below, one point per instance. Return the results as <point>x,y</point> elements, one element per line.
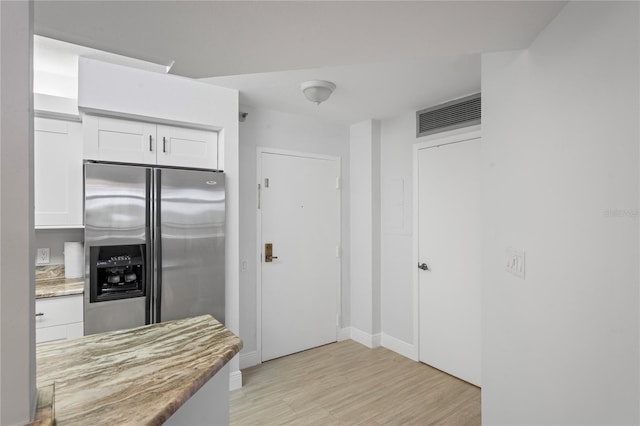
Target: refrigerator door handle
<point>157,264</point>
<point>149,251</point>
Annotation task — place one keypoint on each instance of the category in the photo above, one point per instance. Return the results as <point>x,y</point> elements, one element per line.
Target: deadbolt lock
<point>268,253</point>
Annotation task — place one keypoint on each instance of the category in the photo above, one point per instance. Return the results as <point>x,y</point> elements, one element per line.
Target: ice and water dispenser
<point>117,272</point>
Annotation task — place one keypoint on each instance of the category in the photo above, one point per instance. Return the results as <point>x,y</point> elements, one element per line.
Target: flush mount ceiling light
<point>317,90</point>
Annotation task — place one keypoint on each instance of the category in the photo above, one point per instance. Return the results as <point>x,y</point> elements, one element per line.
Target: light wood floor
<point>346,383</point>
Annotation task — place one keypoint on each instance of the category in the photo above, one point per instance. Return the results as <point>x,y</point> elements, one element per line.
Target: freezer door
<point>116,204</point>
<point>117,207</point>
<point>190,214</point>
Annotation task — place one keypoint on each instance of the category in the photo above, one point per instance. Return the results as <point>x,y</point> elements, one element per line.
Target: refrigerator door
<point>117,211</point>
<point>189,233</point>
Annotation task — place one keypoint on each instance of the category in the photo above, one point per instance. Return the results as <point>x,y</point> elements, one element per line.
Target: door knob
<point>423,266</point>
<point>268,253</point>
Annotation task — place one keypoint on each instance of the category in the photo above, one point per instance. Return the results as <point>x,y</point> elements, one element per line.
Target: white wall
<point>267,128</point>
<point>364,164</point>
<point>560,132</point>
<point>17,325</point>
<point>398,135</point>
<point>54,239</point>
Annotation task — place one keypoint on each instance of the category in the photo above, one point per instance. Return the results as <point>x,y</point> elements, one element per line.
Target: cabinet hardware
<point>40,314</point>
<point>164,144</point>
<point>150,144</point>
<point>423,266</point>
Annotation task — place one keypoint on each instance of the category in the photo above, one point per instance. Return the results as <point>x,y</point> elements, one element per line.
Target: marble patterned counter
<point>50,282</point>
<point>59,287</point>
<point>137,376</point>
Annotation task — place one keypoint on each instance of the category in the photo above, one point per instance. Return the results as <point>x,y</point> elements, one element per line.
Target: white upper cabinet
<point>109,139</point>
<point>57,173</point>
<point>126,141</point>
<point>178,146</point>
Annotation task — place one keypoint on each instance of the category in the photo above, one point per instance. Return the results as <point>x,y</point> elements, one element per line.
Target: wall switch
<point>515,262</point>
<point>42,256</point>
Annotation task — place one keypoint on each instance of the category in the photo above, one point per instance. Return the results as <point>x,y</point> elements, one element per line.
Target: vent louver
<point>451,115</point>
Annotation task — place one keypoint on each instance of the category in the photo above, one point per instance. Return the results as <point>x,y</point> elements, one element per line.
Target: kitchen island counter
<point>136,376</point>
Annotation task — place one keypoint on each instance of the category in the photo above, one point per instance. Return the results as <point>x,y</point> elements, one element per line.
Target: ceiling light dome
<point>317,90</point>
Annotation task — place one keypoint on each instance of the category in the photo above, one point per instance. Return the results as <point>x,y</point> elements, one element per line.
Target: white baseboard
<point>235,380</point>
<point>380,339</point>
<point>344,334</point>
<point>376,340</point>
<point>369,340</point>
<point>249,359</point>
<point>400,347</point>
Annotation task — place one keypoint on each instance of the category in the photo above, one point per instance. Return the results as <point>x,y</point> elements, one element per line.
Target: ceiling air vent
<point>451,115</point>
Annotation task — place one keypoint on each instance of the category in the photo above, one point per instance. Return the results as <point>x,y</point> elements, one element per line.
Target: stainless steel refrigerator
<point>154,245</point>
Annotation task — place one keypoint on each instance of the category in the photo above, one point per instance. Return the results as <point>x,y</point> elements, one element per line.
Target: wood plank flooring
<point>346,383</point>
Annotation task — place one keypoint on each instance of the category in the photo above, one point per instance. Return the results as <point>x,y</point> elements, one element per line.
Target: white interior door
<point>449,233</point>
<point>300,218</point>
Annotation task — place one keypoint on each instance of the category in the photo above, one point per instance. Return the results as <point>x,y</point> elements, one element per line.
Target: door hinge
<point>259,196</point>
<point>266,182</point>
<point>338,183</point>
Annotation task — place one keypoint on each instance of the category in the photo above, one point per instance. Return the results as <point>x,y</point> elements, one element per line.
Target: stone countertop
<point>59,287</point>
<point>50,282</point>
<point>136,376</point>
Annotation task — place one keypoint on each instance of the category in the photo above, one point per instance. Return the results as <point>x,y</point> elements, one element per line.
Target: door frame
<point>266,150</point>
<point>435,141</point>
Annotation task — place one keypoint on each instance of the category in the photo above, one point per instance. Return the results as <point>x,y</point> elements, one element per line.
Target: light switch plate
<point>515,262</point>
<point>42,256</point>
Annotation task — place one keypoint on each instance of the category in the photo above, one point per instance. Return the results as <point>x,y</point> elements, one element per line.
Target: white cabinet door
<point>59,318</point>
<point>135,142</point>
<point>179,146</point>
<point>57,172</point>
<point>123,141</point>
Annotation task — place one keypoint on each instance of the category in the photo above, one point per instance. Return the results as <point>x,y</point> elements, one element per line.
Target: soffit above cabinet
<point>121,91</point>
<point>55,75</point>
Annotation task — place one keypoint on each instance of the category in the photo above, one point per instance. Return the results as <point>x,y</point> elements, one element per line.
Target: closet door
<point>450,267</point>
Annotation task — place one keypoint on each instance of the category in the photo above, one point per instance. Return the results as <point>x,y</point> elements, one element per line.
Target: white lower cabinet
<point>127,141</point>
<point>59,318</point>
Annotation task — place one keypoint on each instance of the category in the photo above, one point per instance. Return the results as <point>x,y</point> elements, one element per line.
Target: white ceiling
<point>363,91</point>
<point>385,56</point>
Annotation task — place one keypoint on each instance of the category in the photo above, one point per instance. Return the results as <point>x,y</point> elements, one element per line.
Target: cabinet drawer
<point>59,332</point>
<point>59,310</point>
